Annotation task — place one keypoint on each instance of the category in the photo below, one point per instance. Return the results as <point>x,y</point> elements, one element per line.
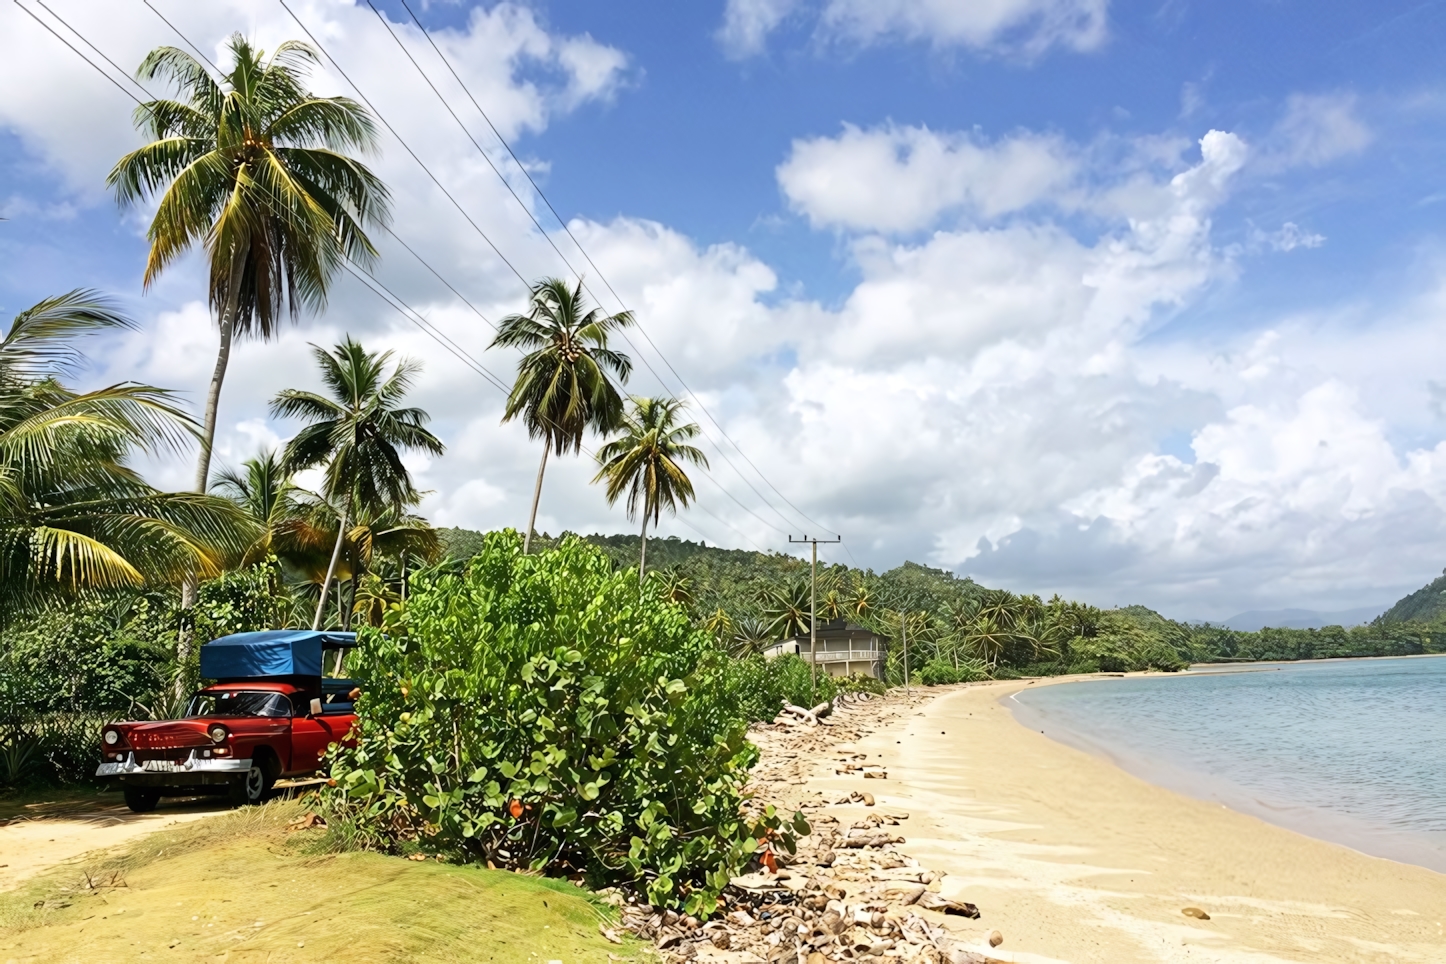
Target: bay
<point>1352,751</point>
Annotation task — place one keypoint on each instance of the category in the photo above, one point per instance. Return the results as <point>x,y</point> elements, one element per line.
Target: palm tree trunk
<point>331,568</point>
<point>404,575</point>
<point>643,556</point>
<point>227,322</point>
<point>536,497</point>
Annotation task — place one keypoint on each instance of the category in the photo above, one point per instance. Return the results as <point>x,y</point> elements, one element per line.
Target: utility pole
<point>813,614</point>
<point>904,634</point>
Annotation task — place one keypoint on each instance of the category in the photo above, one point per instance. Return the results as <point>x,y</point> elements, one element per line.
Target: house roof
<point>837,628</point>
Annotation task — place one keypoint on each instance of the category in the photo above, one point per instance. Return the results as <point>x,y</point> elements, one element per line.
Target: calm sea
<point>1352,751</point>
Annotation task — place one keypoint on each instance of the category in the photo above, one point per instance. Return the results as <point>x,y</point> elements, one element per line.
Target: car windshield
<point>239,703</point>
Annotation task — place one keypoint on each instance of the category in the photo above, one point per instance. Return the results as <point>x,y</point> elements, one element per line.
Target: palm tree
<point>254,168</point>
<point>74,516</point>
<point>358,434</point>
<point>562,386</point>
<point>266,493</point>
<point>644,462</point>
<point>788,610</point>
<point>750,636</point>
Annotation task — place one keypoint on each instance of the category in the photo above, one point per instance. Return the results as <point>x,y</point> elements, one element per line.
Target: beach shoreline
<point>1074,859</point>
<point>1360,835</point>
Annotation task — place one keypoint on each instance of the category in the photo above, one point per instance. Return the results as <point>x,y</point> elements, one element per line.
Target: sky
<point>1136,303</point>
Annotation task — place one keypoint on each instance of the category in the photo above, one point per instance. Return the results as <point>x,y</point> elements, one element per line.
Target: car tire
<point>142,799</point>
<point>253,787</point>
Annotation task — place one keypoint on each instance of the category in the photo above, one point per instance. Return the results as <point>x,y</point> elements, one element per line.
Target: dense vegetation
<point>546,712</point>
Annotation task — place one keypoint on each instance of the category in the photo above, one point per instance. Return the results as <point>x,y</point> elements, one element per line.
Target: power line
<point>360,273</point>
<point>405,145</point>
<point>366,278</point>
<point>409,150</point>
<point>563,223</point>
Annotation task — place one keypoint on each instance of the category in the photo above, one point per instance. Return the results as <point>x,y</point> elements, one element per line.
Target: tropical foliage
<point>357,433</point>
<point>563,389</point>
<point>255,170</point>
<point>75,518</point>
<point>534,712</point>
<point>645,463</point>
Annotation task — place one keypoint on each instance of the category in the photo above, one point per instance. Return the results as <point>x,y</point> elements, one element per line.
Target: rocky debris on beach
<point>848,893</point>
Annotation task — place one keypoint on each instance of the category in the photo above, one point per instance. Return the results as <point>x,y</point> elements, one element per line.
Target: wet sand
<point>1073,859</point>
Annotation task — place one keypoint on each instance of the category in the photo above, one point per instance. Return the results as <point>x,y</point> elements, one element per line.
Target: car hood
<point>170,734</point>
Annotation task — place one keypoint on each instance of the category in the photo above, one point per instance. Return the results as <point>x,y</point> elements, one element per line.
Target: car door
<point>309,737</point>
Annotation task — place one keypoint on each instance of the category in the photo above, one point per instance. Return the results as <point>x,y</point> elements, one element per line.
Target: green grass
<point>241,888</point>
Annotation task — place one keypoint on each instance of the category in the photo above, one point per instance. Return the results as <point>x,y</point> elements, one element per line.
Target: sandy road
<point>44,835</point>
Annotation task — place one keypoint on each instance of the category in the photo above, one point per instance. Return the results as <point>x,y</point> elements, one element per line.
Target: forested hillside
<point>958,628</point>
<point>1425,605</point>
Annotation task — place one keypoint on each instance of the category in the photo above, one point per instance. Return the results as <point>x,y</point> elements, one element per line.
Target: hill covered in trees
<point>961,629</point>
<point>1425,605</point>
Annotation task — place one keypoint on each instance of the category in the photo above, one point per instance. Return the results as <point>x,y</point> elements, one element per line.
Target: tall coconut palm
<point>645,461</point>
<point>358,435</point>
<point>562,388</point>
<point>266,493</point>
<point>256,170</point>
<point>788,609</point>
<point>74,516</point>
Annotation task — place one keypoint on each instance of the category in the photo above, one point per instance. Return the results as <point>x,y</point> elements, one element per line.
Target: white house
<point>843,649</point>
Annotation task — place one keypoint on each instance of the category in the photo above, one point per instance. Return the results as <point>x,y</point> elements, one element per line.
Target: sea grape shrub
<point>546,712</point>
<point>761,685</point>
<point>941,672</point>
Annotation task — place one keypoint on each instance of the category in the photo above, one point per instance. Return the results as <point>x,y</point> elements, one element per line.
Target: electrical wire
<point>405,145</point>
<point>541,194</point>
<point>414,155</point>
<point>367,279</point>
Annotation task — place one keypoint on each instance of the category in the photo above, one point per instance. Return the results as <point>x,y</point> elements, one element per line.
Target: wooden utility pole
<point>904,634</point>
<point>813,616</point>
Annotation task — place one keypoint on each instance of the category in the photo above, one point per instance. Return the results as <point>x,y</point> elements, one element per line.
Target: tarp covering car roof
<point>273,652</point>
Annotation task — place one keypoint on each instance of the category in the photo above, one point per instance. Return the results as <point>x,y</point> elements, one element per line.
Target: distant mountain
<point>1427,604</point>
<point>1258,619</point>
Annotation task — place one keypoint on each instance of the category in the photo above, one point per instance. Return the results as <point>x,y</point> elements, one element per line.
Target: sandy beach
<point>1073,859</point>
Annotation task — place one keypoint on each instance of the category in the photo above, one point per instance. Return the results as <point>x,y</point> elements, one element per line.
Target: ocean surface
<point>1351,751</point>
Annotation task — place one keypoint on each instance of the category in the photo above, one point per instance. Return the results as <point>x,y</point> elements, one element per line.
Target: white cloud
<point>1031,26</point>
<point>747,24</point>
<point>1025,27</point>
<point>1317,129</point>
<point>895,178</point>
<point>67,114</point>
<point>991,396</point>
<point>1287,237</point>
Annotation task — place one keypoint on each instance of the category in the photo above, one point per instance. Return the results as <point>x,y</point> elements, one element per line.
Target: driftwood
<point>797,714</point>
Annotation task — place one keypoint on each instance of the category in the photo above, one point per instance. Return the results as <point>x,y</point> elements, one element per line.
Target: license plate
<point>162,766</point>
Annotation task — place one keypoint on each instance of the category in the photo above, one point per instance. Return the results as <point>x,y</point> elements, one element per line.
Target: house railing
<point>842,655</point>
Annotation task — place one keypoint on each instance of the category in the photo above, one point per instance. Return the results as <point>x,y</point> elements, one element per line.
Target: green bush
<point>546,712</point>
<point>760,685</point>
<point>861,683</point>
<point>939,672</point>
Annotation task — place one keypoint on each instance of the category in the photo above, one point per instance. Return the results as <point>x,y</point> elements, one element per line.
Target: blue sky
<point>1137,303</point>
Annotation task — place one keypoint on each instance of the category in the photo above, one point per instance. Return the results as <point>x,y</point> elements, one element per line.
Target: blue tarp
<point>275,652</point>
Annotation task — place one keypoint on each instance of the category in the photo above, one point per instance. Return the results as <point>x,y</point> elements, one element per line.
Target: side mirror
<point>315,707</point>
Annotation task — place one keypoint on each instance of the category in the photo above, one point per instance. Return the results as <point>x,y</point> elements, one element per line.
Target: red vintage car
<point>242,733</point>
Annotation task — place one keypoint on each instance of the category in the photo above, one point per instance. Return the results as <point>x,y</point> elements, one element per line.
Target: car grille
<point>167,741</point>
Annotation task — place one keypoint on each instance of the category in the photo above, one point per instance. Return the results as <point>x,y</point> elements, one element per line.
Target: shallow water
<point>1352,751</point>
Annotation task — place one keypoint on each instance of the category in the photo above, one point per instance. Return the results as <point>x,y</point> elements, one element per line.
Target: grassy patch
<point>241,888</point>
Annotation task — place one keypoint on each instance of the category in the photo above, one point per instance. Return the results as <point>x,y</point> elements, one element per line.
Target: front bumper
<point>193,771</point>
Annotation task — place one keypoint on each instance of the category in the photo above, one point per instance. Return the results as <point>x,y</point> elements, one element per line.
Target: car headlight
<point>111,737</point>
<point>217,734</point>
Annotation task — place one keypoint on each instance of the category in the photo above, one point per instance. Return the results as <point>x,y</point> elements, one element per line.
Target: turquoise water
<point>1352,751</point>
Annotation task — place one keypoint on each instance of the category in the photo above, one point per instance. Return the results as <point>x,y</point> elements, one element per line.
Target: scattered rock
<point>1196,913</point>
<point>995,938</point>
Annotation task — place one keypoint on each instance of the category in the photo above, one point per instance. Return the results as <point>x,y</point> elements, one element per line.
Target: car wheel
<point>253,787</point>
<point>142,799</point>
